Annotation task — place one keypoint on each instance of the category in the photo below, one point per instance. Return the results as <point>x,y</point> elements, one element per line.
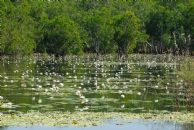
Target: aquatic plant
<point>139,84</point>
<point>86,118</point>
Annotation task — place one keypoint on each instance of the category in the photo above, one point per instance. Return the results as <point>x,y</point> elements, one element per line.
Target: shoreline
<point>87,118</point>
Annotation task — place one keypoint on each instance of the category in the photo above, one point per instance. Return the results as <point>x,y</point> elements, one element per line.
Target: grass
<point>187,69</point>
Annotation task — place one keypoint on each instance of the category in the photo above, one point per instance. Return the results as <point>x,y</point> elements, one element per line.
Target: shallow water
<point>140,83</point>
<point>116,125</point>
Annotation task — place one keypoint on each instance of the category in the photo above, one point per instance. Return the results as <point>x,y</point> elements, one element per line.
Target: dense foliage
<point>96,26</point>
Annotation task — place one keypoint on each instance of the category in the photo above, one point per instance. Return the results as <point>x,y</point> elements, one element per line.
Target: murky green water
<point>140,83</point>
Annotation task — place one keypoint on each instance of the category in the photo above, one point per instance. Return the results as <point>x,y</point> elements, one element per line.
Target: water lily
<point>123,106</point>
<point>1,97</point>
<point>39,101</point>
<point>139,93</point>
<point>122,96</point>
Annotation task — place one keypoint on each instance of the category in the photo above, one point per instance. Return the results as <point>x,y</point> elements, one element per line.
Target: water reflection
<point>138,84</point>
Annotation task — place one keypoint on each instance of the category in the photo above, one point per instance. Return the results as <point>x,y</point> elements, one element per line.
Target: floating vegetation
<point>95,85</point>
<point>86,118</point>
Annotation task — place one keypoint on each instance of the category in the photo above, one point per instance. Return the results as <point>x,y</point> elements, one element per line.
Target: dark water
<point>137,84</point>
<point>112,125</point>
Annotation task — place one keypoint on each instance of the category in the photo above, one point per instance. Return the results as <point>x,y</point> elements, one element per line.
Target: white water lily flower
<point>123,106</point>
<point>139,93</point>
<point>82,97</point>
<point>46,90</point>
<point>33,98</point>
<point>51,97</point>
<point>39,86</point>
<point>40,101</point>
<point>78,93</point>
<point>120,92</point>
<point>61,84</point>
<point>1,98</point>
<point>122,96</point>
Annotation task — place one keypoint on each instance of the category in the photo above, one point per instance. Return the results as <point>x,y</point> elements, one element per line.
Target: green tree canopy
<point>61,35</point>
<point>17,29</point>
<point>127,30</point>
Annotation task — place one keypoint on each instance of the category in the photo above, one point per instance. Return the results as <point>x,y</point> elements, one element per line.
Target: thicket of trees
<point>96,26</point>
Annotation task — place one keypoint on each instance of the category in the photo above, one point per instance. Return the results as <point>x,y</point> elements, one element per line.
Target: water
<point>140,83</point>
<point>112,125</point>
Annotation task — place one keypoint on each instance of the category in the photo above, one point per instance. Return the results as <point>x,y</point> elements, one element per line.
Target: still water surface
<point>140,83</point>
